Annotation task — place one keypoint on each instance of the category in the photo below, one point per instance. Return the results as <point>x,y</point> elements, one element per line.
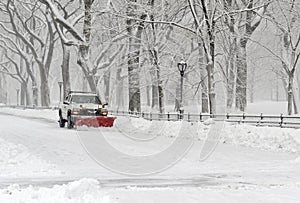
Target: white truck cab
<point>80,104</point>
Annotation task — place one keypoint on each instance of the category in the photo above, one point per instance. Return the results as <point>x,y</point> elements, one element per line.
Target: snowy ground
<point>267,107</point>
<point>40,162</point>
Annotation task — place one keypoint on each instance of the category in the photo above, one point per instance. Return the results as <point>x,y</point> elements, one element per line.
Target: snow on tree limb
<point>59,19</point>
<point>65,40</point>
<point>171,23</point>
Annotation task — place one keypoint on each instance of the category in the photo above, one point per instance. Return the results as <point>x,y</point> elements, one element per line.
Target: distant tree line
<point>135,45</point>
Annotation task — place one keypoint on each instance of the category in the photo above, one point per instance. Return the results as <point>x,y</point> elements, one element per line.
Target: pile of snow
<point>265,138</point>
<point>16,160</point>
<point>81,191</point>
<point>140,125</point>
<point>48,114</point>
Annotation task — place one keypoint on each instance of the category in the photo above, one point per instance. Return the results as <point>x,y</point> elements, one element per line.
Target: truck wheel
<point>70,123</point>
<point>61,122</point>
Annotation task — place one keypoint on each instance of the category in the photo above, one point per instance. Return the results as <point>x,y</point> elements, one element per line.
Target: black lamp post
<point>60,85</point>
<point>182,65</point>
<point>18,90</point>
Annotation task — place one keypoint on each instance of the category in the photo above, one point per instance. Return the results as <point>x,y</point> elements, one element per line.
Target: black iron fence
<point>281,120</point>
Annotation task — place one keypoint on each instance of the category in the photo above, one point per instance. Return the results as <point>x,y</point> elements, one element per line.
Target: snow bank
<point>265,138</point>
<point>16,160</point>
<point>81,191</point>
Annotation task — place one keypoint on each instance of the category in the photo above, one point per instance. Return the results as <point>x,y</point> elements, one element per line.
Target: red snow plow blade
<point>95,121</point>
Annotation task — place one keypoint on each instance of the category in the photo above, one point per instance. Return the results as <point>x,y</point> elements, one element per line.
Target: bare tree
<point>285,16</point>
<point>206,34</point>
<point>248,23</point>
<point>37,34</point>
<point>83,42</point>
<point>15,49</point>
<point>134,30</point>
<point>3,89</point>
<point>69,11</point>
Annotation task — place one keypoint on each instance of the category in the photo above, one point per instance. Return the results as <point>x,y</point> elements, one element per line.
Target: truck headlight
<point>75,111</point>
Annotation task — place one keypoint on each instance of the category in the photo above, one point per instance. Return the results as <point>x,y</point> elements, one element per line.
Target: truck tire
<point>70,124</point>
<point>61,121</point>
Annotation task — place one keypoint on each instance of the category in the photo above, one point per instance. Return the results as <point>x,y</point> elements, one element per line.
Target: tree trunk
<point>161,101</point>
<point>83,59</point>
<point>25,98</point>
<point>204,101</point>
<point>177,97</point>
<point>65,70</point>
<point>148,95</point>
<point>298,81</point>
<point>211,89</point>
<point>44,88</point>
<point>290,93</point>
<point>107,84</point>
<point>134,85</point>
<point>154,96</point>
<point>28,100</point>
<point>284,83</point>
<point>32,77</point>
<point>230,70</point>
<point>91,81</point>
<point>230,80</point>
<point>133,75</point>
<point>230,88</point>
<point>204,95</point>
<point>241,79</point>
<point>155,59</point>
<point>23,94</point>
<point>1,90</point>
<point>296,95</point>
<point>295,104</point>
<point>35,94</point>
<point>119,92</point>
<point>251,25</point>
<point>158,89</point>
<point>134,57</point>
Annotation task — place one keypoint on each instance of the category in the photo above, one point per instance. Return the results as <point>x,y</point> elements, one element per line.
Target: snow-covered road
<point>42,154</point>
<point>58,147</point>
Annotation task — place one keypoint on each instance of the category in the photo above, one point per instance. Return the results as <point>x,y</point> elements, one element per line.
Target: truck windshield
<point>85,99</point>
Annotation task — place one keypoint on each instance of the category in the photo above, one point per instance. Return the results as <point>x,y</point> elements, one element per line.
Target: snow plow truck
<point>83,109</point>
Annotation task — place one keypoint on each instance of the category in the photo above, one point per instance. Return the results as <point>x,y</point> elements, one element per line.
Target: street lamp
<point>60,84</point>
<point>18,90</point>
<point>182,65</point>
